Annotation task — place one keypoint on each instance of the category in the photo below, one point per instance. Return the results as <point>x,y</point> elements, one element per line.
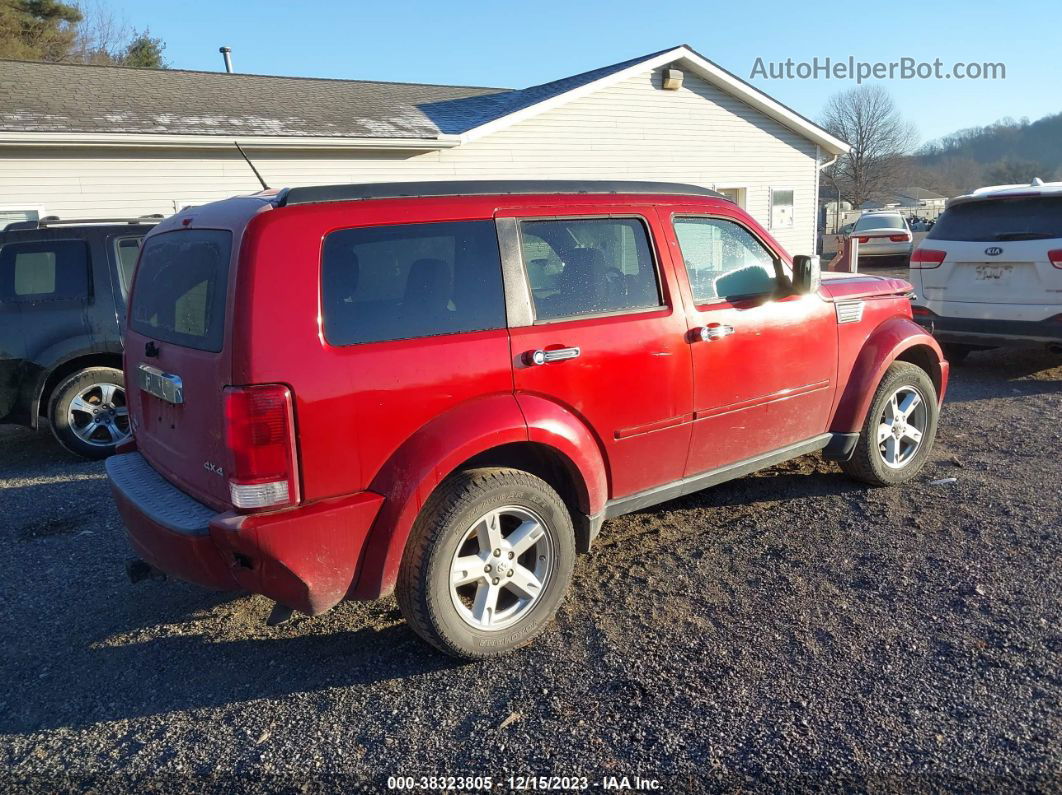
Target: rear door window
<point>1030,218</point>
<point>45,270</point>
<point>181,288</point>
<point>411,280</point>
<point>588,266</point>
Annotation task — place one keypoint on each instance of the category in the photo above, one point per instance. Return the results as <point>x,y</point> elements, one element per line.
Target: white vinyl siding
<point>630,130</point>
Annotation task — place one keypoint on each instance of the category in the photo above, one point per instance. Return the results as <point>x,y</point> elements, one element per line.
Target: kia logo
<point>993,251</point>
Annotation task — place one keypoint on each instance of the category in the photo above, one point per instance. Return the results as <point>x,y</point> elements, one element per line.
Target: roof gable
<point>539,99</point>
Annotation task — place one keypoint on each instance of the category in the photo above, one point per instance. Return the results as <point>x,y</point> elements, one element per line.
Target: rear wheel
<point>488,563</point>
<point>88,413</point>
<point>900,428</point>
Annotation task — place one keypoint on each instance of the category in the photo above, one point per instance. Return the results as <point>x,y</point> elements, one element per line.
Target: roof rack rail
<point>49,221</point>
<point>399,190</point>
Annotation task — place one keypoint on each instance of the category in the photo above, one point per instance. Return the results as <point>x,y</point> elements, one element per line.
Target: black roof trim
<point>397,190</point>
<point>51,223</point>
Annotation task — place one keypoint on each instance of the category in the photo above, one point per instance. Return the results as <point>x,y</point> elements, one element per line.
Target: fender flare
<point>60,355</point>
<point>424,460</point>
<point>886,343</point>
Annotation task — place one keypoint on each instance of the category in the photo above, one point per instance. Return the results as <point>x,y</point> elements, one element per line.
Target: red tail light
<point>899,238</point>
<point>1055,255</point>
<point>260,432</point>
<point>927,258</point>
<point>864,239</point>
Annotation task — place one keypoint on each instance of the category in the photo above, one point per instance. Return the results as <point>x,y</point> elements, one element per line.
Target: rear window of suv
<point>411,280</point>
<point>1031,218</point>
<point>880,222</point>
<point>180,288</point>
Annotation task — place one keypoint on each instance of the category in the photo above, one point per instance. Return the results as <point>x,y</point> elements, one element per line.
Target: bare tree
<point>100,35</point>
<point>106,39</point>
<point>867,118</point>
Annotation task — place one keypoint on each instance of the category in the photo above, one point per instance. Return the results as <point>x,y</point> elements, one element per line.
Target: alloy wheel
<point>902,424</point>
<point>501,568</point>
<point>98,415</point>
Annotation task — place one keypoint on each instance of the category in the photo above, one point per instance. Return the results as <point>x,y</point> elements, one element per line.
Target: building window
<point>736,195</point>
<point>781,208</point>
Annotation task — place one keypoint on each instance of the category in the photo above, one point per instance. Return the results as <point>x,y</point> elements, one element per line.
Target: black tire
<point>103,443</point>
<point>867,463</point>
<point>423,588</point>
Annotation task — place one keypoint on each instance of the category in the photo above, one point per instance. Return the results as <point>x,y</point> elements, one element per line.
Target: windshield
<point>180,288</point>
<point>1029,218</point>
<point>879,222</point>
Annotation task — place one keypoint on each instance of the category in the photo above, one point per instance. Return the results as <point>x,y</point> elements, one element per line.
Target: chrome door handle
<point>714,331</point>
<point>545,357</point>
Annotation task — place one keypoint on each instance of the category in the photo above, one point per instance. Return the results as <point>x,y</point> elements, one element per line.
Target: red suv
<point>444,389</point>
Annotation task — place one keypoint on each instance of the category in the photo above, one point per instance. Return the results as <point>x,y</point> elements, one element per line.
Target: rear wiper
<point>1025,236</point>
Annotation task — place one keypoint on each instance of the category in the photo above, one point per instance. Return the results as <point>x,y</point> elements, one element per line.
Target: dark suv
<point>62,308</point>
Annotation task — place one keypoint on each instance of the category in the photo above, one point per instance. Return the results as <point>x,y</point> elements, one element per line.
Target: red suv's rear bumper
<point>304,557</point>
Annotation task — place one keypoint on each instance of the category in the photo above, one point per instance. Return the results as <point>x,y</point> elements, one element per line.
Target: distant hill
<point>1004,152</point>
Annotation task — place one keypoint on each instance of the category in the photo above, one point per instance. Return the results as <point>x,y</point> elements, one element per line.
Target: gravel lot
<point>787,629</point>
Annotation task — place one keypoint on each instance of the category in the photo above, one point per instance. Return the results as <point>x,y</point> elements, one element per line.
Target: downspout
<point>837,211</point>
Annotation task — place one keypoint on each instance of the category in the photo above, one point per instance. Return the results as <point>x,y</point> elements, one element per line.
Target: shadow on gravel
<point>770,486</point>
<point>1004,373</point>
<point>160,675</point>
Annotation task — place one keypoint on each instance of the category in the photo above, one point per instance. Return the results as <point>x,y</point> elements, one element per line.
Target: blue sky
<point>519,44</point>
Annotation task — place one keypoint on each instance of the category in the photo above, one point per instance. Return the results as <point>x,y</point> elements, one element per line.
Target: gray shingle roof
<point>46,97</point>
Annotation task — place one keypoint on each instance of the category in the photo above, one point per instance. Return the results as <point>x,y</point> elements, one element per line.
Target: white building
<point>90,141</point>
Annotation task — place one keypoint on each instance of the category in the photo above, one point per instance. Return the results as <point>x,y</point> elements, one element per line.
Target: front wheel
<point>901,425</point>
<point>488,563</point>
<point>88,413</point>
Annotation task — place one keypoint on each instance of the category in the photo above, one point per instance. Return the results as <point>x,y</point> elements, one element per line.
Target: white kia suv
<point>989,273</point>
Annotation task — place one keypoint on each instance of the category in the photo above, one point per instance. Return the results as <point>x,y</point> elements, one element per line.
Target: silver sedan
<point>883,235</point>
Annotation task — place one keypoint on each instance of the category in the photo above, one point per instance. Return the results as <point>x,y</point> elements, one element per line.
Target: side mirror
<point>807,274</point>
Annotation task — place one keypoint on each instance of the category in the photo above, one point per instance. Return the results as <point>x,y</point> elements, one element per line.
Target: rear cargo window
<point>1032,218</point>
<point>46,270</point>
<point>180,288</point>
<point>411,280</point>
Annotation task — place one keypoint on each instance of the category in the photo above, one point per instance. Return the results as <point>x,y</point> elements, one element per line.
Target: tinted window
<point>413,280</point>
<point>724,260</point>
<point>46,270</point>
<point>127,249</point>
<point>880,222</point>
<point>588,266</point>
<point>181,288</point>
<point>1001,219</point>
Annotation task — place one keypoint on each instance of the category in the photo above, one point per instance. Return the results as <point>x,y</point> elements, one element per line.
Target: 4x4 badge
<point>993,251</point>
